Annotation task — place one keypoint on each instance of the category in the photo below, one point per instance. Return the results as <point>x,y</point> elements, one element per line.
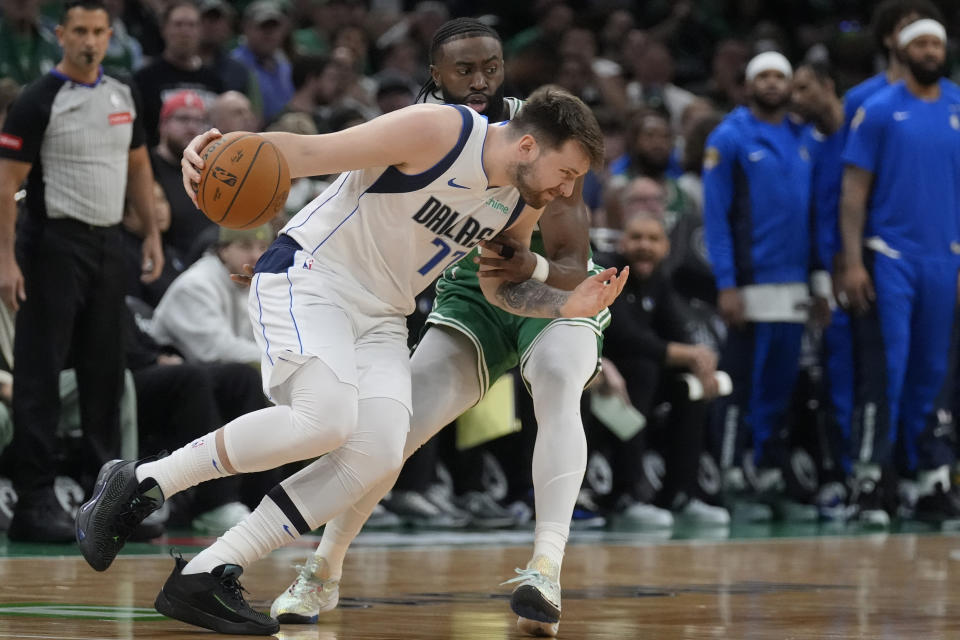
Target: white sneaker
<point>647,515</point>
<point>699,512</point>
<point>220,520</point>
<point>536,599</point>
<point>308,596</point>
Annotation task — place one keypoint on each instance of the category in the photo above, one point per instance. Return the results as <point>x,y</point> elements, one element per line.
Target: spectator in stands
<point>232,111</point>
<point>216,32</point>
<point>179,67</point>
<point>326,18</point>
<point>648,343</point>
<point>649,153</point>
<point>203,314</point>
<point>133,233</point>
<point>264,28</point>
<point>125,55</point>
<point>394,91</point>
<point>183,116</point>
<point>651,83</point>
<point>29,47</point>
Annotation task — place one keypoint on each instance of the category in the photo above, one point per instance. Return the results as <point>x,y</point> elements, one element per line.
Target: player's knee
<point>335,418</point>
<point>554,375</point>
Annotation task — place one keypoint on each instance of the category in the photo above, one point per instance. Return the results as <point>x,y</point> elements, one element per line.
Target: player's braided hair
<point>453,30</point>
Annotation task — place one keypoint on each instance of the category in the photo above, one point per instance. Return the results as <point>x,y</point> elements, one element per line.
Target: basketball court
<point>751,581</point>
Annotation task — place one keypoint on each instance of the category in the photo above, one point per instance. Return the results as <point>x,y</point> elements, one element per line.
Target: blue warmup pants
<point>903,347</point>
<point>839,378</point>
<point>763,360</point>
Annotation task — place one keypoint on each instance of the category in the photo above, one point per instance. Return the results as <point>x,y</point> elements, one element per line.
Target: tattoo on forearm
<point>532,298</point>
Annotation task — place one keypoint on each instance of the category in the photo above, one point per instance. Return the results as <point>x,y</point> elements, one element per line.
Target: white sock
<point>550,540</point>
<point>335,541</point>
<point>187,466</point>
<point>264,530</point>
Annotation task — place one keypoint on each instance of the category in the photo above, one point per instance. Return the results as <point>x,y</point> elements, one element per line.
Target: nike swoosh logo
<point>901,115</point>
<point>756,156</point>
<point>287,529</point>
<point>454,184</point>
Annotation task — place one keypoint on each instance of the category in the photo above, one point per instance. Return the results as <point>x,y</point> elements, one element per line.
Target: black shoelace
<point>139,507</point>
<point>231,585</point>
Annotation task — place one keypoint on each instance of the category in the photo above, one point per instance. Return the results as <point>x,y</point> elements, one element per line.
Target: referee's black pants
<point>73,316</point>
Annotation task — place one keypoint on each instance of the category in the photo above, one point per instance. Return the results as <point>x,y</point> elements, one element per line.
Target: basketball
<point>244,182</point>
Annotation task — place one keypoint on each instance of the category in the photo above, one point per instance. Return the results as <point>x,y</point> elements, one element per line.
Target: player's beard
<point>923,73</point>
<point>770,104</point>
<point>494,110</point>
<point>520,173</point>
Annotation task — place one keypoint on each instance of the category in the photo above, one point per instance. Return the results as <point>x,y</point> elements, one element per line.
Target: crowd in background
<point>660,77</point>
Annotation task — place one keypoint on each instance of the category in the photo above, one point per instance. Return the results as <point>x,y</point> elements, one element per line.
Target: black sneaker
<point>867,502</point>
<point>213,601</point>
<point>39,517</point>
<point>118,505</point>
<point>943,505</point>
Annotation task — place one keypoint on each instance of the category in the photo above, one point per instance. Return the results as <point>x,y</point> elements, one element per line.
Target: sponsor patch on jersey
<point>711,158</point>
<point>10,141</point>
<point>120,117</point>
<point>858,118</point>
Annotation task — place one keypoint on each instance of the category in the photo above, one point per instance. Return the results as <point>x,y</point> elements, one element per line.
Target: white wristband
<point>542,271</point>
<point>820,284</point>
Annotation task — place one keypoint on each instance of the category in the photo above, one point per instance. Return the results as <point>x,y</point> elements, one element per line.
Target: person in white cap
<point>756,201</point>
<point>898,273</point>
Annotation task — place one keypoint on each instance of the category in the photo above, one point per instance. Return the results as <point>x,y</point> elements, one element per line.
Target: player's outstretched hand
<point>244,278</point>
<point>512,261</point>
<point>192,164</point>
<point>595,294</point>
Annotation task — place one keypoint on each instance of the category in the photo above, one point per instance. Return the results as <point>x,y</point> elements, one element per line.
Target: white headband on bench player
<point>925,27</point>
<point>768,61</point>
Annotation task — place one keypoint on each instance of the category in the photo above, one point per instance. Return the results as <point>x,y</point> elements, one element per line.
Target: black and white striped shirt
<point>78,138</point>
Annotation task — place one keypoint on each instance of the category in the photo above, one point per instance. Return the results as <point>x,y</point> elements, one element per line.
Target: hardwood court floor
<point>880,586</point>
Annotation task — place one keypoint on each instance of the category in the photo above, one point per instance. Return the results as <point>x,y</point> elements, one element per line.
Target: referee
<point>74,136</point>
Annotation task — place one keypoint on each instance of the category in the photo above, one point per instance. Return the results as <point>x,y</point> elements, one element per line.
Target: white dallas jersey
<point>393,233</point>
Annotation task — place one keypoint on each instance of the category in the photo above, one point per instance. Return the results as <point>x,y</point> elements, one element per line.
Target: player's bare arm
<point>854,286</point>
<point>539,300</point>
<point>412,139</point>
<point>12,175</point>
<point>565,228</point>
<point>140,192</point>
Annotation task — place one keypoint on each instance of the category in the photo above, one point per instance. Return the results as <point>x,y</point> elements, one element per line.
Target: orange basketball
<point>244,182</point>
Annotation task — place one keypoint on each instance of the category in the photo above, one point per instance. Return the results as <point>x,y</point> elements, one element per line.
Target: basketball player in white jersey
<point>421,187</point>
<point>461,355</point>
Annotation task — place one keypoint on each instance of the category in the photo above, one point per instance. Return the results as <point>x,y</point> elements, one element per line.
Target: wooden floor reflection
<point>896,587</point>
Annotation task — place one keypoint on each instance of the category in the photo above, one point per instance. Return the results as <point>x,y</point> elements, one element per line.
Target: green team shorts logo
<point>499,206</point>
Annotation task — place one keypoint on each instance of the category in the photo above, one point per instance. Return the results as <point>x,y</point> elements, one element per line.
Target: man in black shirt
<point>648,343</point>
<point>180,67</point>
<point>182,117</point>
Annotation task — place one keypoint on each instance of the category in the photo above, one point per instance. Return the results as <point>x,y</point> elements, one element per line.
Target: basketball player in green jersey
<point>469,343</point>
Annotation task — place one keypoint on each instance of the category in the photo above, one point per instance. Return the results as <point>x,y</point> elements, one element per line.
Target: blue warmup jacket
<point>756,179</point>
